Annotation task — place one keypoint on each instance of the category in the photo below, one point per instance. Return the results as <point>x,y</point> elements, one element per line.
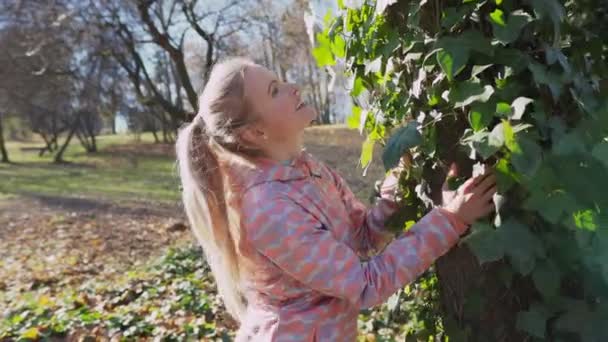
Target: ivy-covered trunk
<point>519,86</point>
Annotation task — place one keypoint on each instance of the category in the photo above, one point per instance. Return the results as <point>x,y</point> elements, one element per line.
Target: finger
<point>489,209</point>
<point>469,185</point>
<point>488,195</point>
<point>488,182</point>
<point>452,173</point>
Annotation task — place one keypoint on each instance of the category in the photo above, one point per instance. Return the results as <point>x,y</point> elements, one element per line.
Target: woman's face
<point>283,116</point>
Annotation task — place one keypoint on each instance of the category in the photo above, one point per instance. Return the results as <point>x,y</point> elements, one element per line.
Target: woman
<point>282,232</point>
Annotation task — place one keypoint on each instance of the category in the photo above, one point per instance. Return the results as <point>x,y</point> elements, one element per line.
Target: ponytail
<point>204,198</point>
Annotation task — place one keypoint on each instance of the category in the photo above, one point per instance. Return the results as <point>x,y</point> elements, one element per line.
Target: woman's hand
<point>389,187</point>
<point>473,199</point>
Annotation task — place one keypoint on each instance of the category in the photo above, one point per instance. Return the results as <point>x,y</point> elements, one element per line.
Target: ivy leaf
<point>354,119</point>
<point>505,176</point>
<point>485,243</point>
<point>339,46</point>
<point>543,76</point>
<point>498,17</point>
<point>585,219</point>
<point>547,277</point>
<point>480,115</point>
<point>507,32</point>
<point>455,51</point>
<point>551,206</point>
<point>509,136</point>
<point>402,140</point>
<point>497,136</point>
<point>503,109</point>
<point>534,321</point>
<point>478,69</point>
<point>322,52</point>
<point>520,245</point>
<point>367,151</point>
<point>552,9</point>
<point>527,158</point>
<point>519,107</point>
<point>453,15</point>
<point>465,93</point>
<point>600,152</point>
<point>452,62</point>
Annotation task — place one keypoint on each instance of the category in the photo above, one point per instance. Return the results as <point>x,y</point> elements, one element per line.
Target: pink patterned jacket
<point>304,235</point>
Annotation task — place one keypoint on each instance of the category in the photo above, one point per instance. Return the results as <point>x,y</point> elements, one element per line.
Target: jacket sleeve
<point>369,222</point>
<point>296,242</point>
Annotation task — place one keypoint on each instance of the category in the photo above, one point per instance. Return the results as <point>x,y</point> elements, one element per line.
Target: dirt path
<point>54,241</point>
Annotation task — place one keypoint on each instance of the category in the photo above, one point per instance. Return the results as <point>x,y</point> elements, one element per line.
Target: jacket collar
<point>269,170</point>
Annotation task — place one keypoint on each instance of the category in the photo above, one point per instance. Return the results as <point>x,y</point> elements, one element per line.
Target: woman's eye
<point>275,91</point>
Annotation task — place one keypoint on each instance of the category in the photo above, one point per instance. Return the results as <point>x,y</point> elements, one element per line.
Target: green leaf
<point>505,176</point>
<point>465,93</point>
<point>551,206</point>
<point>585,219</point>
<point>528,157</point>
<point>478,69</point>
<point>533,321</point>
<point>600,152</point>
<point>480,115</point>
<point>507,32</point>
<point>503,109</point>
<point>354,119</point>
<point>453,15</point>
<point>543,76</point>
<point>521,246</point>
<point>547,278</point>
<point>552,9</point>
<point>509,137</point>
<point>498,17</point>
<point>339,46</point>
<point>400,141</point>
<point>485,243</point>
<point>367,151</point>
<point>452,62</point>
<point>322,52</point>
<point>455,51</point>
<point>519,107</point>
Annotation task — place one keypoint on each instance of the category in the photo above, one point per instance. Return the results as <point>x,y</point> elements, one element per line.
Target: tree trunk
<point>59,155</point>
<point>156,141</point>
<point>3,150</point>
<point>480,302</point>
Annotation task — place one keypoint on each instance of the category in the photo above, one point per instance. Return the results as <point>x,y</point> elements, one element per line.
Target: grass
<point>141,173</point>
<point>125,169</point>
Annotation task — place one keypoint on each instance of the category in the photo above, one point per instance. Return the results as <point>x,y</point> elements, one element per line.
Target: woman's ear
<point>253,135</point>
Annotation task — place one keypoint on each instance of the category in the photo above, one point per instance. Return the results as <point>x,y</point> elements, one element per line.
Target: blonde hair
<point>203,148</point>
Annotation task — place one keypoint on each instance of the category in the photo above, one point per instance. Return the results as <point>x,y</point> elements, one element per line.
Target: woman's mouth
<point>300,105</point>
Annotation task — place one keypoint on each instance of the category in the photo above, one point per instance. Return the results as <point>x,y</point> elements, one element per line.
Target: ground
<point>103,216</point>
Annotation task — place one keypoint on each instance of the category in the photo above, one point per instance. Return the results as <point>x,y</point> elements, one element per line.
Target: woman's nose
<point>296,89</point>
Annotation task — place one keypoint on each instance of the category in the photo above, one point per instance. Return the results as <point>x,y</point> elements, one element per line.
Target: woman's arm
<point>368,223</point>
<point>296,242</point>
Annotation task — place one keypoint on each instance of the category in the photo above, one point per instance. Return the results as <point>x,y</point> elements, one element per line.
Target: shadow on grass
<point>78,204</point>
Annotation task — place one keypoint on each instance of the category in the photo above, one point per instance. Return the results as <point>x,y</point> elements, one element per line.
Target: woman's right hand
<point>473,199</point>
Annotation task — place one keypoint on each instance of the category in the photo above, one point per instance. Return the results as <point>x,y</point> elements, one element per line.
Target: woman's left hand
<point>390,185</point>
